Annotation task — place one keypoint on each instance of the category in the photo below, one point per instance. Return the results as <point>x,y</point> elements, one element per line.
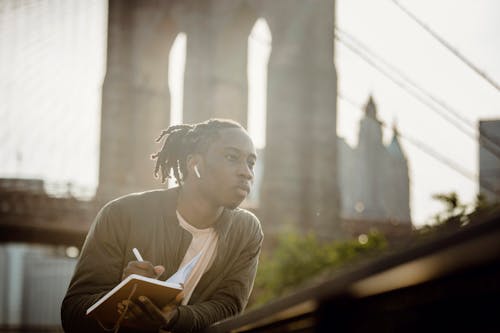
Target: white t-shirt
<point>205,241</point>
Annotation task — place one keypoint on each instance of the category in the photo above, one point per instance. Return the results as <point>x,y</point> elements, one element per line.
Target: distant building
<point>34,280</point>
<point>373,177</point>
<point>373,181</point>
<point>36,263</point>
<point>489,159</point>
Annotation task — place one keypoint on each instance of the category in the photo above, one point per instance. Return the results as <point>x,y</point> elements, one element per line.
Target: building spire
<point>394,147</point>
<point>395,131</point>
<point>371,108</point>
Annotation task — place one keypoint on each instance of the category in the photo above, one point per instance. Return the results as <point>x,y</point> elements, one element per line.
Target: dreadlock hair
<point>183,140</point>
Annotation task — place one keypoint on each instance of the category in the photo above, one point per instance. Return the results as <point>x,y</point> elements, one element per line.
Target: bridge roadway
<point>28,214</point>
<point>447,284</point>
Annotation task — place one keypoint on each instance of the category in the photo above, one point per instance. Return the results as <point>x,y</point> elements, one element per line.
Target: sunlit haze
<point>53,65</point>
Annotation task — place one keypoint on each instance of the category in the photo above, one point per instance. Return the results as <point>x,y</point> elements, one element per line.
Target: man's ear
<point>192,161</point>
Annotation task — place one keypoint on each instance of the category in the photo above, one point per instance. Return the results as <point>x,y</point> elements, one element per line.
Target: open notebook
<point>159,292</point>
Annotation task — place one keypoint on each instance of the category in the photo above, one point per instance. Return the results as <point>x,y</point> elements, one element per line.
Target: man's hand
<point>144,268</point>
<point>146,314</point>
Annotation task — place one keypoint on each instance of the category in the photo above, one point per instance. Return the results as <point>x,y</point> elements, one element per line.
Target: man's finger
<point>153,310</point>
<point>179,298</point>
<point>175,303</point>
<point>134,311</point>
<point>144,268</point>
<point>159,270</point>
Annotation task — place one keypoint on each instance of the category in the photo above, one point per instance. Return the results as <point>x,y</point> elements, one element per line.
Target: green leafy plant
<point>298,259</point>
<point>456,214</point>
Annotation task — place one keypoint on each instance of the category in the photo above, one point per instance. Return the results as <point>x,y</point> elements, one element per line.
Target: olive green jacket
<point>148,222</point>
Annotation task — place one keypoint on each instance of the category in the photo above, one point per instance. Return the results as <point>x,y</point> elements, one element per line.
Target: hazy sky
<point>473,28</point>
<point>51,76</point>
<point>51,72</point>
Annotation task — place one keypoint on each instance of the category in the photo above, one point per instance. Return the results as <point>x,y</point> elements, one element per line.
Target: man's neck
<point>196,210</point>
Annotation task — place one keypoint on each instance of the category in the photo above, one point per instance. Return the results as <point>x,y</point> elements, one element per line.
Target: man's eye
<point>251,165</point>
<point>231,157</point>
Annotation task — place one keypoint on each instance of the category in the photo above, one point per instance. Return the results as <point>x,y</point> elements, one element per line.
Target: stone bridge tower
<point>300,175</point>
<point>136,98</point>
<point>300,183</point>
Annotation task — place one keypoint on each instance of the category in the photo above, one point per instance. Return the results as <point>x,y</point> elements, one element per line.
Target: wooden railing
<point>448,284</point>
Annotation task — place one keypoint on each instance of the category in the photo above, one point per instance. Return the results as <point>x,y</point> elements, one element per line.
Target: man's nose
<point>246,171</point>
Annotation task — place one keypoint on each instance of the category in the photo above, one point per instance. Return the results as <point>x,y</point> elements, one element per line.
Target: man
<point>213,164</point>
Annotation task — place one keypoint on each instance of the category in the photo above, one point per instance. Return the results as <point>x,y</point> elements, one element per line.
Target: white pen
<point>137,254</point>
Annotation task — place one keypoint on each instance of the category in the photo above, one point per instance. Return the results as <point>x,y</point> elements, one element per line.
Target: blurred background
<point>376,122</point>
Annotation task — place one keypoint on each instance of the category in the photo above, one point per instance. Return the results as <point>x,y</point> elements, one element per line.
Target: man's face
<point>228,168</point>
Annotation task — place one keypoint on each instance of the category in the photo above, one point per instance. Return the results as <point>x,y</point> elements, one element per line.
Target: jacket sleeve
<point>98,270</point>
<point>232,295</point>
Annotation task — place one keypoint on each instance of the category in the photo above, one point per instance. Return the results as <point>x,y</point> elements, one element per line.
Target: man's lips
<point>243,189</point>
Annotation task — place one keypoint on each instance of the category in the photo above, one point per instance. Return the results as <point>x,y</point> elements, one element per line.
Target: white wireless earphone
<point>196,171</point>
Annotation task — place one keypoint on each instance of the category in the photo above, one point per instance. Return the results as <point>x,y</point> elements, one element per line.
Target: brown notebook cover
<point>159,292</point>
